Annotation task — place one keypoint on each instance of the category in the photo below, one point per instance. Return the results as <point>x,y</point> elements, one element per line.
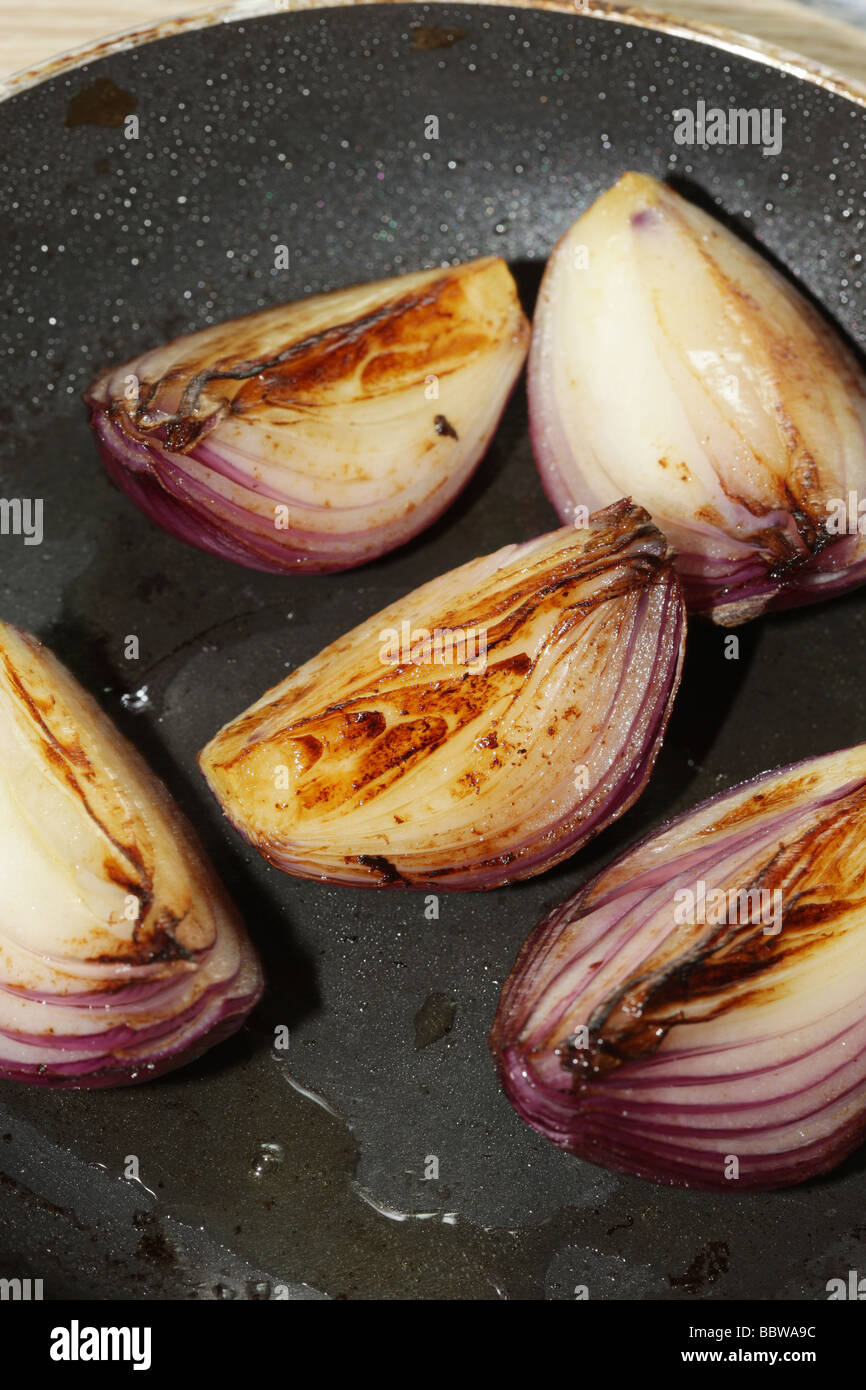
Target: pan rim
<point>237,11</point>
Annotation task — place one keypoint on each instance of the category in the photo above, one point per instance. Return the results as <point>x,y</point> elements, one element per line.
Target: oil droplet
<point>136,700</point>
<point>268,1156</point>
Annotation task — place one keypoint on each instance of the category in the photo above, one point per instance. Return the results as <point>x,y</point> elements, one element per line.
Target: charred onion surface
<point>696,1014</point>
<point>380,767</point>
<point>317,435</point>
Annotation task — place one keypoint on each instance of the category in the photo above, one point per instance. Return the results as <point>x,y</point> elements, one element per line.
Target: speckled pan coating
<point>307,130</point>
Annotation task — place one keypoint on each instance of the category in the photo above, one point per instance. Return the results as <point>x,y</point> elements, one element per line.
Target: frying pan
<point>308,1172</point>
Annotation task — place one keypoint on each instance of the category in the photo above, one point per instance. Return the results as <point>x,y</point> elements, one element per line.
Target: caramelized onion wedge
<point>120,954</point>
<point>440,768</point>
<point>320,434</point>
<point>696,1014</point>
<point>672,364</point>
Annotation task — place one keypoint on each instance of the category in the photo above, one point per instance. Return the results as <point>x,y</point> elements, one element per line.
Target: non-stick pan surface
<point>307,130</point>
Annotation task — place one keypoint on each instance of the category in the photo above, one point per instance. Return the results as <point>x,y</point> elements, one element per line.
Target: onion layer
<point>477,731</point>
<point>317,435</point>
<point>696,1014</point>
<point>120,954</point>
<point>672,364</point>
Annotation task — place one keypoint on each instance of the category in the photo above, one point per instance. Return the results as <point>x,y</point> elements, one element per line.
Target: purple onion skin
<point>206,523</point>
<point>648,1091</point>
<point>108,1072</point>
<point>825,575</point>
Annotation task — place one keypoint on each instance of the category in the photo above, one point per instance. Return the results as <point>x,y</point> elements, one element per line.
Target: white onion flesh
<point>672,364</point>
<point>120,953</point>
<point>319,434</point>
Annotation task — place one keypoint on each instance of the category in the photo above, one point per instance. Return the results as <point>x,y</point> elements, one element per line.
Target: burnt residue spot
<point>151,586</point>
<point>520,664</point>
<point>101,103</point>
<point>307,750</point>
<point>708,1265</point>
<point>383,759</point>
<point>151,943</point>
<point>152,1244</point>
<point>181,435</point>
<point>58,756</point>
<point>161,942</point>
<point>379,864</point>
<point>785,794</point>
<point>38,1203</point>
<point>364,724</point>
<point>426,37</point>
<point>499,861</point>
<point>622,1226</point>
<point>117,874</point>
<point>434,1019</point>
<point>443,426</point>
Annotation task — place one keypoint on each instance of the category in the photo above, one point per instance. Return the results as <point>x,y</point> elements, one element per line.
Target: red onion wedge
<point>672,364</point>
<point>476,732</point>
<point>318,435</point>
<point>120,954</point>
<point>696,1014</point>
